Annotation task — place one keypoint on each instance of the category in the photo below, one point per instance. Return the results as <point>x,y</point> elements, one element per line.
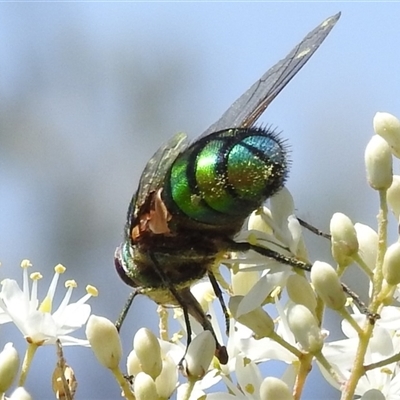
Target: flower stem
<point>30,352</point>
<point>382,363</point>
<point>126,390</point>
<point>338,377</point>
<point>346,315</point>
<point>274,336</point>
<point>363,266</point>
<point>189,389</point>
<point>358,368</point>
<point>304,370</point>
<point>163,324</point>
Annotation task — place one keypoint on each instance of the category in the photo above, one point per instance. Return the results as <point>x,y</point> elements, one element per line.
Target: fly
<point>193,199</point>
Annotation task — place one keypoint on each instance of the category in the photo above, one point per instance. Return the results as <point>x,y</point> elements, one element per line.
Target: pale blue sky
<point>88,91</point>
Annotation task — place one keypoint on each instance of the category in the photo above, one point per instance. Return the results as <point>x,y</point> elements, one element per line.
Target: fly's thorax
<point>184,259</point>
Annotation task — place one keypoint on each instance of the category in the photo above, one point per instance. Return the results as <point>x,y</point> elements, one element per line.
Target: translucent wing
<point>250,105</point>
<point>242,113</point>
<point>154,173</point>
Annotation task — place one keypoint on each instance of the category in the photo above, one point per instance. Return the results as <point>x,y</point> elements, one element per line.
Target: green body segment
<point>223,177</point>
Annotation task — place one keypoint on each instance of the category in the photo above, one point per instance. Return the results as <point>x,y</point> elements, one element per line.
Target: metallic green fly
<point>193,199</point>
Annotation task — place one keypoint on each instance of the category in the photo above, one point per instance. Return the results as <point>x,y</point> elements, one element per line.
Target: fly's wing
<point>250,105</point>
<point>154,173</point>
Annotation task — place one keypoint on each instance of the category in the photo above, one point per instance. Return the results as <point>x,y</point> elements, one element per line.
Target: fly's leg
<point>218,293</point>
<point>360,304</point>
<point>313,229</point>
<point>194,308</point>
<point>125,310</point>
<point>264,251</point>
<point>293,262</point>
<point>191,306</point>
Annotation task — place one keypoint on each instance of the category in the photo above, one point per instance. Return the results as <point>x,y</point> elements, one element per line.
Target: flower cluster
<point>276,300</point>
<point>37,322</point>
<point>362,364</point>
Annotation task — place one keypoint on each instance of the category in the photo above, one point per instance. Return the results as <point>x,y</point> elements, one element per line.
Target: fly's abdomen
<point>223,177</point>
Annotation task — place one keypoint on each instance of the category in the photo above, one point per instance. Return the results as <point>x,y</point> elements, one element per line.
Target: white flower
<point>36,321</point>
<point>276,228</point>
<point>249,383</point>
<point>257,320</point>
<point>384,343</point>
<point>241,343</point>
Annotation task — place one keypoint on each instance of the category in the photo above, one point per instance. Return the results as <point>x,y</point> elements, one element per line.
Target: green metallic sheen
<point>225,176</point>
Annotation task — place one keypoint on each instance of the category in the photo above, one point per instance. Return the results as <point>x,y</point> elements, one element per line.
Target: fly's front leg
<point>125,310</point>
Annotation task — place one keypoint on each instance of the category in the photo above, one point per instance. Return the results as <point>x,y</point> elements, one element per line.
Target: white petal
<point>40,326</point>
<point>222,396</point>
<point>390,318</point>
<point>72,317</point>
<point>260,291</point>
<point>381,344</point>
<point>73,341</point>
<point>248,376</point>
<point>14,299</point>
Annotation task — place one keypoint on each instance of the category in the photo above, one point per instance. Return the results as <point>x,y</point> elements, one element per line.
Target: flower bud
<point>393,196</point>
<point>144,387</point>
<point>344,243</point>
<point>104,340</point>
<point>133,365</point>
<point>20,394</point>
<point>148,352</point>
<point>166,382</point>
<point>388,126</point>
<point>257,320</point>
<point>391,264</point>
<point>273,388</point>
<point>373,394</point>
<point>199,354</point>
<point>368,244</point>
<point>300,291</point>
<point>9,364</point>
<point>327,285</point>
<point>305,329</point>
<point>378,162</point>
